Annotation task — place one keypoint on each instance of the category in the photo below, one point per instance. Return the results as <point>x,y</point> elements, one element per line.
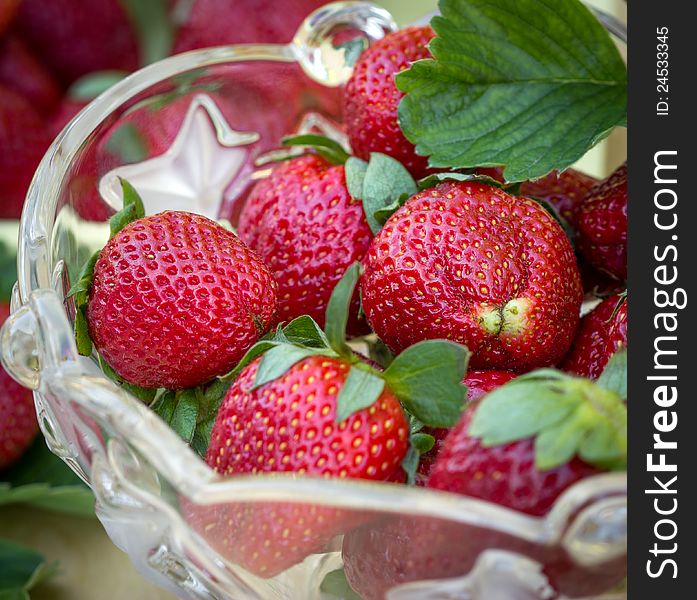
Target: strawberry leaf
<point>180,411</point>
<point>361,389</point>
<point>427,378</point>
<point>419,443</point>
<point>89,86</point>
<point>21,569</point>
<point>335,587</point>
<point>566,416</point>
<point>153,27</point>
<point>82,286</point>
<point>304,331</point>
<point>329,149</point>
<point>132,208</point>
<point>528,84</point>
<point>356,169</point>
<point>82,334</point>
<point>276,361</point>
<point>614,376</point>
<point>338,308</point>
<point>382,183</point>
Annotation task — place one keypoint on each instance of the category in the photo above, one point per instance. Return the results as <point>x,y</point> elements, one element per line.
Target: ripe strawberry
<point>23,141</point>
<point>504,474</point>
<point>371,97</point>
<point>467,262</point>
<point>497,453</point>
<point>18,425</point>
<point>479,383</point>
<point>208,22</point>
<point>176,299</point>
<point>74,37</point>
<point>564,191</point>
<point>22,72</point>
<point>289,424</point>
<point>306,227</point>
<point>602,332</point>
<point>601,222</point>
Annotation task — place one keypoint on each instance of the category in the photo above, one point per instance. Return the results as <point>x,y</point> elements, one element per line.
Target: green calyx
<point>329,149</point>
<point>426,378</point>
<point>567,416</point>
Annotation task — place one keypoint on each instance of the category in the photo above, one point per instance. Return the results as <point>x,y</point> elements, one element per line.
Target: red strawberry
<point>23,141</point>
<point>479,383</point>
<point>289,425</point>
<point>601,222</point>
<point>220,22</point>
<point>505,474</point>
<point>468,262</point>
<point>564,191</point>
<point>74,37</point>
<point>177,299</point>
<point>8,10</point>
<point>496,453</point>
<point>18,425</point>
<point>22,72</point>
<point>602,332</point>
<point>371,97</point>
<point>304,224</point>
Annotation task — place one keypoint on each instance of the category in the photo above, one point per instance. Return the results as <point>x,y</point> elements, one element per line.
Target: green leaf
<point>386,183</point>
<point>353,50</point>
<point>128,144</point>
<point>8,267</point>
<point>82,334</point>
<point>279,359</point>
<point>185,415</point>
<point>202,436</point>
<point>164,405</point>
<point>21,569</point>
<point>329,149</point>
<point>419,443</point>
<point>304,331</point>
<point>427,378</point>
<point>614,376</point>
<point>361,389</point>
<point>528,84</point>
<point>355,169</point>
<point>335,585</point>
<point>380,353</point>
<point>153,26</point>
<point>566,416</point>
<point>132,208</point>
<point>336,316</point>
<point>435,178</point>
<point>89,86</point>
<point>43,480</point>
<point>82,286</point>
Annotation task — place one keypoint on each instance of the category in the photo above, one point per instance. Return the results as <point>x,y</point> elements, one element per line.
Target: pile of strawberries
<point>469,292</point>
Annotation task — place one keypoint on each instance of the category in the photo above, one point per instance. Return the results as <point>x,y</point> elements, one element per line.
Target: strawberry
<point>602,332</point>
<point>18,425</point>
<point>564,191</point>
<point>22,72</point>
<point>74,37</point>
<point>306,227</point>
<point>520,446</point>
<point>601,223</point>
<point>371,97</point>
<point>175,299</point>
<point>316,408</point>
<point>468,262</point>
<point>479,383</point>
<point>23,141</point>
<point>206,23</point>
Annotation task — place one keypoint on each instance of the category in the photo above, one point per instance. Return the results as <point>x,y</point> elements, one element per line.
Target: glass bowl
<point>194,132</point>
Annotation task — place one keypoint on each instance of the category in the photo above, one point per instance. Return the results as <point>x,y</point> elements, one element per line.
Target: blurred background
<point>55,56</point>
